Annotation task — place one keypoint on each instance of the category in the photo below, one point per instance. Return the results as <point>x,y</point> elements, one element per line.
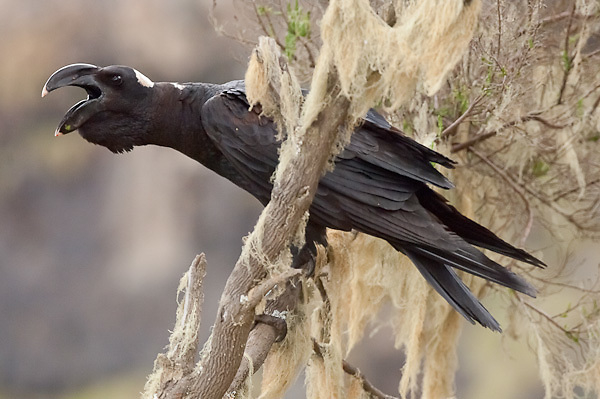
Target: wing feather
<point>379,187</point>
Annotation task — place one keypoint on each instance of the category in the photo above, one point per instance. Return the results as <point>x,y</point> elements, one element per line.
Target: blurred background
<point>92,245</point>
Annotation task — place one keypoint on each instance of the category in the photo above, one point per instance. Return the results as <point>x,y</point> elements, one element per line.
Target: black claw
<point>306,257</point>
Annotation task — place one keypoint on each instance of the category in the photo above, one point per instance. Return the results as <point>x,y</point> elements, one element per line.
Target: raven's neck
<point>176,123</point>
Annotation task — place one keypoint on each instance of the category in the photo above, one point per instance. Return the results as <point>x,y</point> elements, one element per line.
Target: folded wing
<point>379,186</point>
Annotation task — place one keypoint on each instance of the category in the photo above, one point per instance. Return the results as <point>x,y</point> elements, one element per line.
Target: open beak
<point>80,75</point>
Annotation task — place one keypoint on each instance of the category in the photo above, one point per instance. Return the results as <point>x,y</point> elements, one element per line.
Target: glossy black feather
<point>470,231</point>
<point>445,281</point>
<point>378,186</point>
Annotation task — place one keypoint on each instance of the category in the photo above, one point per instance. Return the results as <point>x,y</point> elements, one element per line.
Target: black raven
<point>379,185</point>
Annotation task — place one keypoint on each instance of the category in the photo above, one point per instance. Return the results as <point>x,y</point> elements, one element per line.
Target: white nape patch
<point>178,86</point>
<point>143,79</point>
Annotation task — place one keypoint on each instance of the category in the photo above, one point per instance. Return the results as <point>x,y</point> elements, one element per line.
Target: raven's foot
<point>306,257</point>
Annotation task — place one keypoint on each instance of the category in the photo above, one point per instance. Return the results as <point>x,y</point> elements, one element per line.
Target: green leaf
<point>579,110</point>
<point>462,99</point>
<point>572,336</point>
<point>407,127</point>
<point>290,45</point>
<point>540,168</point>
<point>262,10</point>
<point>298,25</point>
<point>566,61</point>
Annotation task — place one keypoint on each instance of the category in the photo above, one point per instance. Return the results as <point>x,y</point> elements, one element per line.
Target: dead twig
<point>504,176</point>
<point>499,15</point>
<point>574,190</point>
<point>567,59</point>
<point>179,358</point>
<point>545,316</point>
<point>366,384</point>
<point>270,31</point>
<point>472,141</point>
<point>354,372</point>
<point>533,116</point>
<point>564,15</point>
<point>450,129</point>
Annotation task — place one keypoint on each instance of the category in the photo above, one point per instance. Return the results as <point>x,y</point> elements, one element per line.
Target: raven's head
<point>116,112</point>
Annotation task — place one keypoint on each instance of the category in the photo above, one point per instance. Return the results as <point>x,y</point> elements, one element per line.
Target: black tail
<point>472,261</point>
<point>468,230</point>
<point>436,266</point>
<point>436,263</point>
<point>445,281</point>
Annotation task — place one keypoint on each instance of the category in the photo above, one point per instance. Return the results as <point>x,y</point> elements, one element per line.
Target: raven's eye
<point>116,80</point>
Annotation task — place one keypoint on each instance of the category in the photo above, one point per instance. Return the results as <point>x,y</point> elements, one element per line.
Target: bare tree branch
<point>472,141</point>
<point>172,371</point>
<point>293,190</point>
<point>263,335</point>
<point>183,343</point>
<point>296,187</point>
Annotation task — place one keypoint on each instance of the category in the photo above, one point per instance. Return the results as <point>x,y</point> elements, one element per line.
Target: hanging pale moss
<point>421,318</point>
<point>277,90</point>
<point>287,358</point>
<point>181,351</point>
<point>524,58</point>
<point>376,61</point>
<point>565,363</point>
<point>371,61</point>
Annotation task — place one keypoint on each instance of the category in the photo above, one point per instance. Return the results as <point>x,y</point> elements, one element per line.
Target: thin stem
<point>353,371</point>
<point>499,29</point>
<point>450,129</point>
<point>545,316</point>
<point>533,116</point>
<point>566,54</point>
<point>515,187</point>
